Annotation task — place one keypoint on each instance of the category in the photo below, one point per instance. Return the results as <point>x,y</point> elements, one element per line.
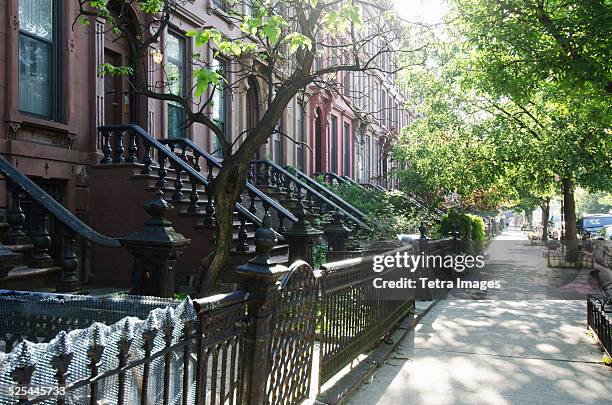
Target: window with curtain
<point>334,144</point>
<point>299,135</point>
<point>39,58</point>
<point>347,150</point>
<point>176,76</point>
<point>219,105</point>
<point>278,143</point>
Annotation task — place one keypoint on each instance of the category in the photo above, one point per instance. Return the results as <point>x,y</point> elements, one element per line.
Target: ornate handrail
<point>115,154</point>
<point>310,191</point>
<point>56,209</point>
<point>215,162</point>
<point>322,190</point>
<point>331,176</point>
<point>374,187</point>
<point>351,181</point>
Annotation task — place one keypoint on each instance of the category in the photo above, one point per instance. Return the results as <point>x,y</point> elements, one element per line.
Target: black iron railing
<point>329,195</point>
<point>175,354</point>
<point>143,148</point>
<point>351,181</point>
<point>599,319</point>
<point>71,228</point>
<point>374,187</point>
<point>246,347</point>
<point>354,314</point>
<point>331,178</point>
<point>186,146</point>
<point>268,173</point>
<point>37,194</point>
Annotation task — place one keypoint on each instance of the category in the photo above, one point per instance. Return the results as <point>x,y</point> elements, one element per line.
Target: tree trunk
<point>571,233</point>
<point>227,188</point>
<point>529,217</point>
<point>545,205</point>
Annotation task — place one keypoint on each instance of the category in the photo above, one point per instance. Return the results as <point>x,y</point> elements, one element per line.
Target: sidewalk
<point>523,344</point>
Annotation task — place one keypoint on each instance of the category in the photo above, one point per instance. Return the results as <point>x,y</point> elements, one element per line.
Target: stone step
<point>30,279</point>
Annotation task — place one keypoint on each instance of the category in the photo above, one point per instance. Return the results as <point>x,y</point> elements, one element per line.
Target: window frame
<point>216,145</point>
<point>183,132</point>
<point>300,132</point>
<point>333,135</point>
<point>346,136</point>
<point>56,66</point>
<point>277,143</point>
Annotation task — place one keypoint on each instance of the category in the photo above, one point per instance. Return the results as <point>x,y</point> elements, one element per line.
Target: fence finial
<point>22,374</point>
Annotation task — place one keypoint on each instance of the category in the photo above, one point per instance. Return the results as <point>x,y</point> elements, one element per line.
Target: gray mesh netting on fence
<point>118,350</point>
<point>39,317</point>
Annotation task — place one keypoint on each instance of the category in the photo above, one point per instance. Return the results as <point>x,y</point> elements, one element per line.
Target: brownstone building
<point>54,97</point>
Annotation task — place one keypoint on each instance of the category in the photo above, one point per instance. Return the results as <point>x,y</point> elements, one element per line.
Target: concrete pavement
<point>523,344</point>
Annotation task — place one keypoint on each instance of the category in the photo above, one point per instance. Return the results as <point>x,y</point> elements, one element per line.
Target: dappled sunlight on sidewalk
<point>524,343</point>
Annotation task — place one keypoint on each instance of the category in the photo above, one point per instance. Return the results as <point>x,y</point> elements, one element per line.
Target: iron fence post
<point>259,277</point>
<point>301,238</point>
<point>337,233</point>
<point>155,248</point>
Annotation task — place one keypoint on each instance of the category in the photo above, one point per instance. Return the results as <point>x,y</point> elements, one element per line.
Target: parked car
<point>605,233</point>
<point>590,225</point>
<point>554,230</point>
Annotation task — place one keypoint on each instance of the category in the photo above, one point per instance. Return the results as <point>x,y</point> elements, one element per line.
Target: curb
<point>340,392</point>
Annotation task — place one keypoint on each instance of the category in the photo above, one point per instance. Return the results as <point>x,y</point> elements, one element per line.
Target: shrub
<point>389,213</point>
<point>471,229</point>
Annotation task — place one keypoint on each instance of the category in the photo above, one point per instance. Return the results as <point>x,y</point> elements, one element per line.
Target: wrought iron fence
<point>599,319</point>
<point>354,315</point>
<point>216,350</point>
<point>294,319</point>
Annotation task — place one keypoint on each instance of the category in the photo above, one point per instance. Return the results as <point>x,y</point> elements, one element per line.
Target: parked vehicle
<point>590,225</point>
<point>605,233</point>
<point>554,230</point>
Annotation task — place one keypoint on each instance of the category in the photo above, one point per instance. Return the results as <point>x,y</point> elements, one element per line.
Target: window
<point>390,113</point>
<point>347,84</point>
<point>383,108</point>
<point>248,8</point>
<point>377,160</point>
<point>299,128</point>
<point>219,106</point>
<point>176,76</point>
<point>334,144</point>
<point>278,143</point>
<point>221,4</point>
<point>367,173</point>
<point>39,59</point>
<point>347,150</point>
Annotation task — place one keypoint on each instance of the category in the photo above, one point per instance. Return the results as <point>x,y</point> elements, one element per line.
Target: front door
<point>120,101</point>
<point>113,91</point>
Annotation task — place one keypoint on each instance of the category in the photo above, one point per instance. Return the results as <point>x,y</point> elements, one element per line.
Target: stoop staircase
<point>133,169</point>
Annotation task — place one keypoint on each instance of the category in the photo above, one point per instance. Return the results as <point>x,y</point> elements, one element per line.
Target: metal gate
<point>293,333</point>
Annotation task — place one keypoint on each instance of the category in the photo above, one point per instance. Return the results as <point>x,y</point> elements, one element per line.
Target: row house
<point>54,98</point>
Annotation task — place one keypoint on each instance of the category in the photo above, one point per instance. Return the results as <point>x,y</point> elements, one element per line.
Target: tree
<point>594,203</point>
<point>532,80</point>
<point>275,42</point>
<point>549,59</point>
